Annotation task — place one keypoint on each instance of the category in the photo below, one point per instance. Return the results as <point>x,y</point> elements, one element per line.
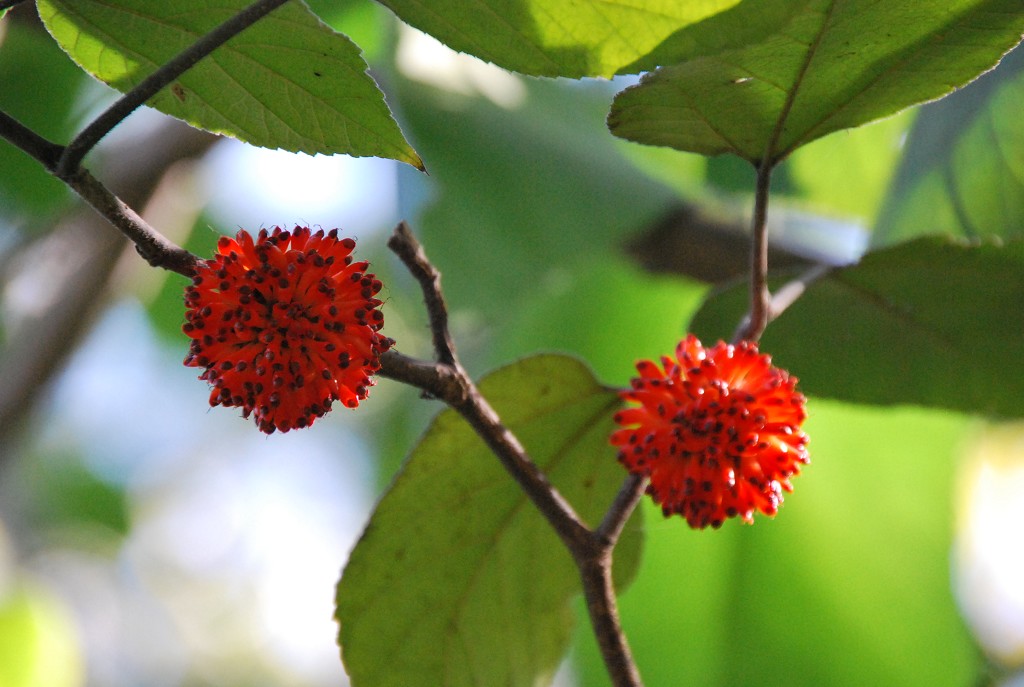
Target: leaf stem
<point>411,253</point>
<point>152,84</point>
<point>753,325</point>
<point>788,294</point>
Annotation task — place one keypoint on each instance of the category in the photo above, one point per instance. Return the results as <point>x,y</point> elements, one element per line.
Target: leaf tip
<point>416,161</point>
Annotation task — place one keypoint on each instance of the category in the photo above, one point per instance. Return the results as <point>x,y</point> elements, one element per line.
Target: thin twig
<point>157,249</point>
<point>409,250</point>
<point>785,297</point>
<point>152,84</point>
<point>8,4</point>
<point>607,533</point>
<point>19,135</point>
<point>598,586</point>
<point>760,297</point>
<point>791,291</point>
<point>440,382</point>
<point>510,452</point>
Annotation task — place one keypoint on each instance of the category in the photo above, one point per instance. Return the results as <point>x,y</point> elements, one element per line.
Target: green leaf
<point>458,580</point>
<point>931,322</point>
<point>830,65</point>
<point>572,38</point>
<point>962,172</point>
<point>289,81</point>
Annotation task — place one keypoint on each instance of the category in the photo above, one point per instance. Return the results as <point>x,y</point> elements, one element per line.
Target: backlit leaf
<point>571,38</point>
<point>962,171</point>
<point>830,65</point>
<point>289,81</point>
<point>458,580</point>
<point>930,322</point>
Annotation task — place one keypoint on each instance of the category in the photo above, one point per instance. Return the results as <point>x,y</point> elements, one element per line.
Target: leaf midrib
<point>771,157</point>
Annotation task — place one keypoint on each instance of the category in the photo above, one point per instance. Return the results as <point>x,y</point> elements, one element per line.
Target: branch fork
<point>447,380</point>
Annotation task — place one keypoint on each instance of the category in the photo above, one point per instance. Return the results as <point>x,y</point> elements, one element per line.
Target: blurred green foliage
<point>38,646</point>
<point>28,194</point>
<point>60,492</point>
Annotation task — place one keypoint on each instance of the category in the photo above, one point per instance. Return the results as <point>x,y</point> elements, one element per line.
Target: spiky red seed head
<point>285,325</point>
<point>716,430</point>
